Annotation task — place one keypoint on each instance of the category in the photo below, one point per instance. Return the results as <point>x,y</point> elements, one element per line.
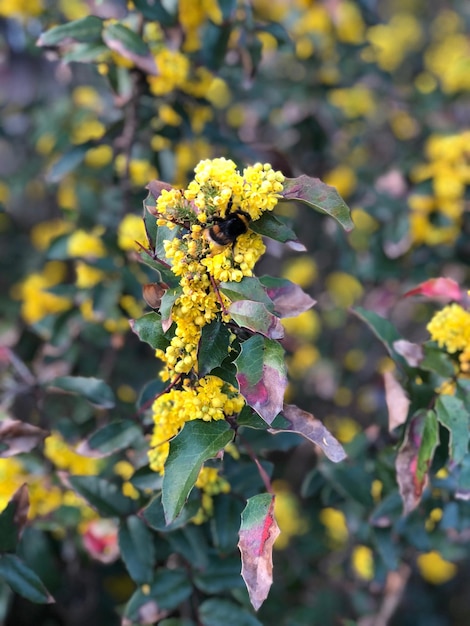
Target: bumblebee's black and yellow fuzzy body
<point>226,230</point>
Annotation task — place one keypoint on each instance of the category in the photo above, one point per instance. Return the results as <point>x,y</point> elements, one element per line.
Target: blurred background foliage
<point>373,98</point>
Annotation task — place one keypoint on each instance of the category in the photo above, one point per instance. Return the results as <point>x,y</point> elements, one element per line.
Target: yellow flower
<point>37,302</point>
<point>343,178</point>
<point>131,230</point>
<point>64,457</point>
<point>343,288</point>
<point>87,276</point>
<point>334,521</point>
<point>287,514</point>
<point>362,560</point>
<point>302,270</point>
<point>99,157</point>
<point>44,233</point>
<point>87,130</point>
<point>434,569</point>
<point>83,244</point>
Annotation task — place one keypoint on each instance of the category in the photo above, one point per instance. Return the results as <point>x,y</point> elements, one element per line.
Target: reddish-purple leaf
<point>397,401</point>
<point>289,299</point>
<point>308,426</point>
<point>440,288</point>
<point>256,317</point>
<point>258,532</point>
<point>261,375</point>
<point>17,437</point>
<point>319,196</point>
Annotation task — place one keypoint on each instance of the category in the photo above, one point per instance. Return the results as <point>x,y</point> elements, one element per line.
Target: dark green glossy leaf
<point>225,523</point>
<point>452,414</point>
<point>109,439</point>
<point>170,587</point>
<point>85,30</point>
<point>191,543</point>
<point>435,360</point>
<point>213,346</point>
<point>195,444</point>
<point>149,329</point>
<point>250,288</point>
<point>383,330</point>
<point>137,549</point>
<point>13,519</point>
<point>155,11</point>
<point>276,228</point>
<point>96,391</point>
<point>218,612</point>
<point>102,495</point>
<point>67,163</point>
<point>23,580</point>
<point>154,514</point>
<point>220,574</point>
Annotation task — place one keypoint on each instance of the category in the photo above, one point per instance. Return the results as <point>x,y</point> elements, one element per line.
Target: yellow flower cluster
<point>65,458</point>
<point>44,496</point>
<point>449,171</point>
<point>216,189</point>
<point>211,399</point>
<point>450,327</point>
<point>448,57</point>
<point>37,301</point>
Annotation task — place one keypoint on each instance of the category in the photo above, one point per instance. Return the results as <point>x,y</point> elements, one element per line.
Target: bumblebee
<point>226,230</point>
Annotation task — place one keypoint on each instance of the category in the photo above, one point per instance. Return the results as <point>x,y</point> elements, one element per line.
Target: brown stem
<point>262,472</point>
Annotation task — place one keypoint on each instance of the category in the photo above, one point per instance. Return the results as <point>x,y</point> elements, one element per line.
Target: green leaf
<point>23,580</point>
<point>128,44</point>
<point>154,514</point>
<point>13,519</point>
<point>213,346</point>
<point>249,288</point>
<point>256,317</point>
<point>191,543</point>
<point>435,360</point>
<point>102,495</point>
<point>96,391</point>
<point>221,574</point>
<point>429,442</point>
<point>168,300</point>
<point>276,228</point>
<point>319,196</point>
<point>169,589</point>
<point>149,329</point>
<point>197,442</point>
<point>109,439</point>
<point>67,163</point>
<point>383,330</point>
<point>137,549</point>
<point>85,30</point>
<point>84,53</point>
<point>453,415</point>
<point>261,375</point>
<point>155,11</point>
<point>218,612</point>
<point>225,523</point>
